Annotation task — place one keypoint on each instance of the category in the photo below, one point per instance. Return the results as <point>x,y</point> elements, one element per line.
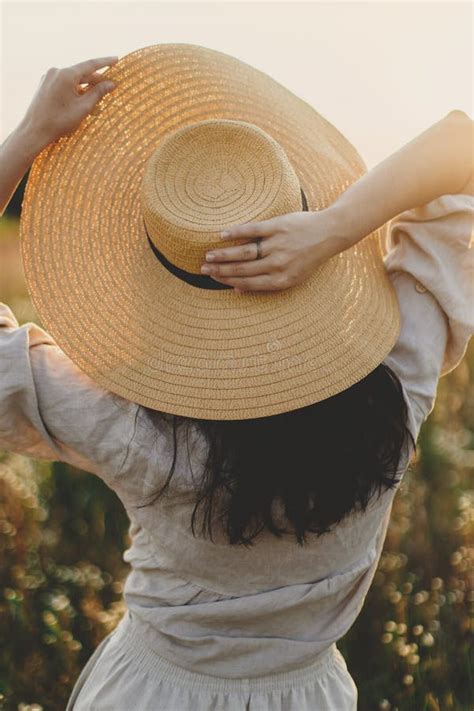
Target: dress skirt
<point>124,674</point>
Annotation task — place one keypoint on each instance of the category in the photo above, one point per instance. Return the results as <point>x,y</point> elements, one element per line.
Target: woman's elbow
<point>457,117</point>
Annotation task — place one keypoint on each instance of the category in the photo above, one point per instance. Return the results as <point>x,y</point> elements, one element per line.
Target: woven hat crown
<point>210,175</point>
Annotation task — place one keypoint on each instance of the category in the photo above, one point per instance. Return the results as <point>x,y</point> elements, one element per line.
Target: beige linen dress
<point>213,626</point>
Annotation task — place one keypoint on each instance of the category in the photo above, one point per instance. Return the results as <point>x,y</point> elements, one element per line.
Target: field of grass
<point>62,534</point>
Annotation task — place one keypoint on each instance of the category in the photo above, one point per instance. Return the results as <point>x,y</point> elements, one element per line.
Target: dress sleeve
<point>430,262</point>
<point>50,409</point>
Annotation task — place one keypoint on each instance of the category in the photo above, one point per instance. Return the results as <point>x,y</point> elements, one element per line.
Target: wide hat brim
<point>140,331</point>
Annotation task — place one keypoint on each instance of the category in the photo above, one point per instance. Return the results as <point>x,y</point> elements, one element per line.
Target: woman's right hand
<point>292,247</point>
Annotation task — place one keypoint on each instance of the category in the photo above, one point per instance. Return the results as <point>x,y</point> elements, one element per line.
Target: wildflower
<point>437,584</point>
<point>427,640</point>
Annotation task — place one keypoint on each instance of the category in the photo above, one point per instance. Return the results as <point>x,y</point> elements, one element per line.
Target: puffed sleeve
<point>50,409</point>
<point>430,262</point>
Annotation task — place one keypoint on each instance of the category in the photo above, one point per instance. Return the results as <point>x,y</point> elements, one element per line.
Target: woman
<point>245,609</point>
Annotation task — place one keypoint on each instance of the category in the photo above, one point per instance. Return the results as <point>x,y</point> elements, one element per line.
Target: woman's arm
<point>17,153</point>
<point>57,108</point>
<point>435,163</point>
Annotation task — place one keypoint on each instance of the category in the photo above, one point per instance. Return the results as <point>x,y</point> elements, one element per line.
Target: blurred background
<point>381,73</point>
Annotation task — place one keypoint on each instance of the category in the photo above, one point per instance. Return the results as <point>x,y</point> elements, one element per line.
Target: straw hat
<point>118,216</point>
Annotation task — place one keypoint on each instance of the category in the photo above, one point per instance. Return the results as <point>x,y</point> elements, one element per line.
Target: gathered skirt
<point>124,674</point>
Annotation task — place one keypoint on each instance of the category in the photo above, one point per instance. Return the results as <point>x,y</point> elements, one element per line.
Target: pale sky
<point>381,72</point>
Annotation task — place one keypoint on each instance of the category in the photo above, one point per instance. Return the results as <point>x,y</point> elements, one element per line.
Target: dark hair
<point>321,462</point>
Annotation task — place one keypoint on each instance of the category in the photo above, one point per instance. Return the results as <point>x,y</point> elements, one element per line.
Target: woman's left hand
<point>292,246</point>
<point>60,103</point>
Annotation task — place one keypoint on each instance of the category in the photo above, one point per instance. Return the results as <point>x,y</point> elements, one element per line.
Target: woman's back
<point>331,574</point>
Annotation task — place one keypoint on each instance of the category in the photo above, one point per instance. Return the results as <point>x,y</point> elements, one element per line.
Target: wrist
<point>17,153</point>
<point>342,227</point>
<point>28,141</point>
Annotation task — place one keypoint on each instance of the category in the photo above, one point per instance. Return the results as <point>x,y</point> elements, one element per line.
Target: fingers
<point>263,282</point>
<point>93,78</point>
<point>84,69</point>
<point>91,96</point>
<point>90,80</point>
<point>238,269</point>
<point>240,253</point>
<point>250,229</point>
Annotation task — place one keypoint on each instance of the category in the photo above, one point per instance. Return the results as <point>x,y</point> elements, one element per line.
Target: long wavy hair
<point>321,462</point>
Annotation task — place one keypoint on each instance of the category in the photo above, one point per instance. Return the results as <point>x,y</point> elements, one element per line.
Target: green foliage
<point>62,534</point>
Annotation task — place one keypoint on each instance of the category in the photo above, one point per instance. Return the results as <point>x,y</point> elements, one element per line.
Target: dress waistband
<point>129,634</point>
